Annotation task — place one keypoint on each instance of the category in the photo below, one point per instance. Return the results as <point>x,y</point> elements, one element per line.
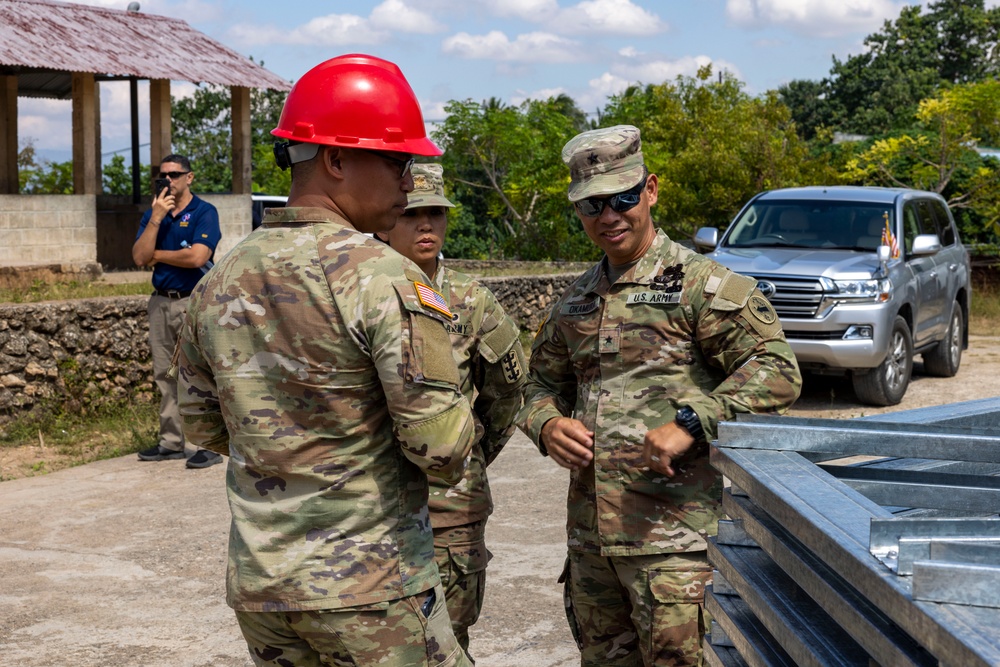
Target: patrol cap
<point>604,162</point>
<point>428,187</point>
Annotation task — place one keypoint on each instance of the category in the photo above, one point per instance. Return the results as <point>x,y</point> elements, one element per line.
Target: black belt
<point>172,293</point>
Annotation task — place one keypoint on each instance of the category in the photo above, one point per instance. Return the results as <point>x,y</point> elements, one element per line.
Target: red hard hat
<point>356,101</point>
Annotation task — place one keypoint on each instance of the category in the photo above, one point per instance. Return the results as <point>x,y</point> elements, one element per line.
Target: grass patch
<point>984,312</point>
<point>50,440</point>
<point>73,289</point>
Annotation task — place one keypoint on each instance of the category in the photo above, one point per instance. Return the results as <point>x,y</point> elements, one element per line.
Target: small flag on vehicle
<point>889,239</point>
<point>432,299</point>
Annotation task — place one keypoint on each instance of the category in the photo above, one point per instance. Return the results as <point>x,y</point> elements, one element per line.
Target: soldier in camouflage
<point>317,359</point>
<point>490,367</point>
<point>629,376</point>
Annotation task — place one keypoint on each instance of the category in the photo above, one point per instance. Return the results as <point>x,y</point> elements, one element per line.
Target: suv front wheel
<point>886,384</point>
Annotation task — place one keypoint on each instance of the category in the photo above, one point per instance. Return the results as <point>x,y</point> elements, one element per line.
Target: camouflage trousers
<point>637,610</point>
<point>410,631</point>
<point>461,555</point>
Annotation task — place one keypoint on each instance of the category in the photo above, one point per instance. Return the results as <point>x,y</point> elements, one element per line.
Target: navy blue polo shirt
<point>197,223</point>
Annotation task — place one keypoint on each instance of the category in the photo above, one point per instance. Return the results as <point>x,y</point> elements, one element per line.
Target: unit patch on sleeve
<point>511,367</point>
<point>762,310</point>
<point>432,299</point>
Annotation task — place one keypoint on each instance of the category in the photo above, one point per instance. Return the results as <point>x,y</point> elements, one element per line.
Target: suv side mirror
<point>926,244</point>
<point>706,238</point>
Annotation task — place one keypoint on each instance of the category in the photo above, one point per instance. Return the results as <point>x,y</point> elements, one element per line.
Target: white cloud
<point>396,15</point>
<point>534,11</point>
<point>608,17</point>
<point>342,29</point>
<point>541,94</point>
<point>532,47</point>
<point>628,52</point>
<point>815,18</point>
<point>617,17</point>
<point>624,74</point>
<point>329,30</point>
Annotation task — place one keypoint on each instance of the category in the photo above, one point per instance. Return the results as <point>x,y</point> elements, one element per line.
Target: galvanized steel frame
<point>816,528</point>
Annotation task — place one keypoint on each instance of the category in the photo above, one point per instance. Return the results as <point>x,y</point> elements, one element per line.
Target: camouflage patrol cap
<point>428,187</point>
<point>603,162</point>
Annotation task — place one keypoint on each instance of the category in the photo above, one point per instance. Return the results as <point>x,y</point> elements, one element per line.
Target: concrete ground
<point>122,562</point>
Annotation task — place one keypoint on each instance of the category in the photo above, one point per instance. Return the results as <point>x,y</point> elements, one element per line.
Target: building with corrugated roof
<point>63,51</point>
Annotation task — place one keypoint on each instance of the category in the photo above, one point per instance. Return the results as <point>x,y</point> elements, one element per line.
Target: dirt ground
<point>129,570</point>
<point>822,396</point>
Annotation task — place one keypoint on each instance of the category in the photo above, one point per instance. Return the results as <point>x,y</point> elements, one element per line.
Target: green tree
<point>503,166</point>
<point>117,176</point>
<point>878,91</point>
<point>201,131</point>
<point>42,177</point>
<point>939,154</point>
<point>713,147</point>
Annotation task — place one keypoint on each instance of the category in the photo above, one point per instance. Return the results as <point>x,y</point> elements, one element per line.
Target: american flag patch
<point>432,299</point>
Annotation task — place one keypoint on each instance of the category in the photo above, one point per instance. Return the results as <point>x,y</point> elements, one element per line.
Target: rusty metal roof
<point>42,41</point>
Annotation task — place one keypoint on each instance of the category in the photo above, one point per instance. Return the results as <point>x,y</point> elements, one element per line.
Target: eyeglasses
<point>404,165</point>
<point>173,175</point>
<point>621,202</point>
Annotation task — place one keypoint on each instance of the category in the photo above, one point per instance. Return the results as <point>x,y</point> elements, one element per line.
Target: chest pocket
<point>579,323</point>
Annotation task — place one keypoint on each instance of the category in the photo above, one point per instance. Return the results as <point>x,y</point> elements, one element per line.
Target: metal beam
<point>744,632</point>
<point>799,625</point>
<point>833,520</point>
<point>958,583</point>
<point>914,488</point>
<point>852,438</point>
<point>849,608</point>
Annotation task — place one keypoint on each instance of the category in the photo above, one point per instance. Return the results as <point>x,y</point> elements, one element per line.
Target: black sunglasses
<point>592,207</point>
<point>404,165</point>
<point>173,175</point>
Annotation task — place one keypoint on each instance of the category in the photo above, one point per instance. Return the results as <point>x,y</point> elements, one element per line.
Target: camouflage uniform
<point>311,359</point>
<point>490,366</point>
<point>676,329</point>
<point>487,349</point>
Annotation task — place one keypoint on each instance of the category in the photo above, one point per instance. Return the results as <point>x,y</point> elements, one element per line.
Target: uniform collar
<point>596,279</point>
<point>294,214</point>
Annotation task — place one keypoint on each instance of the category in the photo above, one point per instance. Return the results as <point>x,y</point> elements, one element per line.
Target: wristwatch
<point>688,420</point>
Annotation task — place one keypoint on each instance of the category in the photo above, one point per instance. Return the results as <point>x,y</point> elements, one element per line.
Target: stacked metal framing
<point>832,559</point>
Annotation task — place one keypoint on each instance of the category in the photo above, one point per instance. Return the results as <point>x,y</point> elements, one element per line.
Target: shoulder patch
<point>432,299</point>
<point>733,292</point>
<point>761,308</point>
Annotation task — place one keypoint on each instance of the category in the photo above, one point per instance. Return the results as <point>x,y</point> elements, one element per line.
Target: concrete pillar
<point>160,138</point>
<point>86,135</point>
<point>8,135</point>
<point>242,150</point>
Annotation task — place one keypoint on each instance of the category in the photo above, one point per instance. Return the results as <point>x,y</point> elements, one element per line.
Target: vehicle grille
<point>794,297</point>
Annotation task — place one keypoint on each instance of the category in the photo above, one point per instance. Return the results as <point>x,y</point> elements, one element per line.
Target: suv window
<point>911,225</point>
<point>946,231</point>
<point>808,224</point>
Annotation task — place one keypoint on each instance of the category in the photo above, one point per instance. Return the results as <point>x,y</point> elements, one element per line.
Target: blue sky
<point>510,49</point>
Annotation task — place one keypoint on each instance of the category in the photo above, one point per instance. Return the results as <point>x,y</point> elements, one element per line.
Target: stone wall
<point>94,350</point>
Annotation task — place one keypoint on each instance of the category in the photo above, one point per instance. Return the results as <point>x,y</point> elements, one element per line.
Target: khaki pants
<point>637,610</point>
<point>165,319</point>
<point>396,633</point>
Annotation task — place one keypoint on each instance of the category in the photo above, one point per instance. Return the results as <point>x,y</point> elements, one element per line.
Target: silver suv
<point>862,278</point>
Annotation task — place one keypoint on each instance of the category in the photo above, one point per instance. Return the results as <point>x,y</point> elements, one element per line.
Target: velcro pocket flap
<point>733,292</point>
<point>469,557</point>
<point>498,342</point>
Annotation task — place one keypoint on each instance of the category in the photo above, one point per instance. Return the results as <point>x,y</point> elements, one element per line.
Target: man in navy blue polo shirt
<point>177,237</point>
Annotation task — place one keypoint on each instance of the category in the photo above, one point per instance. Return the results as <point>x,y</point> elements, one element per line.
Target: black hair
<point>178,159</point>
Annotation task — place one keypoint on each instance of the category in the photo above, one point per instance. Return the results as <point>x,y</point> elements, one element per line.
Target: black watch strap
<point>687,419</point>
